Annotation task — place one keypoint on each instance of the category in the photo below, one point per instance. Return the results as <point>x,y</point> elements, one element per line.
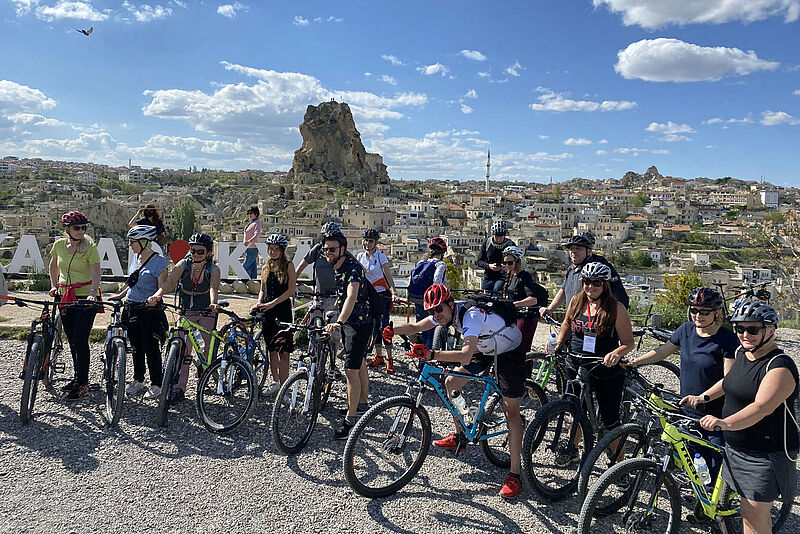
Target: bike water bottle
<point>198,339</point>
<point>460,403</point>
<point>551,345</point>
<point>702,469</point>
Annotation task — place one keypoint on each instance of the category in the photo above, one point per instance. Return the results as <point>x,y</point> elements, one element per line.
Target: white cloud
<point>147,13</point>
<point>775,118</point>
<point>472,93</point>
<point>514,69</point>
<point>367,74</point>
<point>65,9</point>
<point>673,60</point>
<point>23,7</point>
<point>388,79</point>
<point>33,119</point>
<point>465,109</point>
<point>231,10</point>
<point>674,138</point>
<point>602,142</point>
<point>18,97</point>
<point>392,59</point>
<point>300,21</point>
<point>436,68</point>
<point>601,152</point>
<point>719,120</point>
<point>484,74</point>
<point>669,128</point>
<point>636,151</point>
<point>474,55</point>
<point>655,13</point>
<point>581,141</point>
<point>552,101</point>
<point>796,92</point>
<point>541,136</point>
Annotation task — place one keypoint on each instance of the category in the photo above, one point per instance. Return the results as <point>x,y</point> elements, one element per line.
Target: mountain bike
<point>747,293</point>
<point>114,362</point>
<point>642,494</point>
<point>249,338</point>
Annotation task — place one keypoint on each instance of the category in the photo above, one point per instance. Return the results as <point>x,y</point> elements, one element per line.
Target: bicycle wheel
<point>53,363</point>
<point>31,379</point>
<point>494,420</point>
<point>550,457</point>
<point>325,374</point>
<point>663,372</point>
<point>632,484</point>
<point>294,414</point>
<point>387,447</point>
<point>172,365</point>
<point>733,523</point>
<point>625,441</point>
<point>115,381</point>
<point>225,394</point>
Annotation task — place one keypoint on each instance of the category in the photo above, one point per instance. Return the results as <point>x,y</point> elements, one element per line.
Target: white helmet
<point>143,231</point>
<point>514,251</point>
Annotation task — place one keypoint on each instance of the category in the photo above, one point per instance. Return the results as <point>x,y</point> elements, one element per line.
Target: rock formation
<point>332,152</point>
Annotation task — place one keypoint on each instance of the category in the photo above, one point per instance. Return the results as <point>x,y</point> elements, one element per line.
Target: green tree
<point>641,259</point>
<point>774,217</point>
<point>640,200</point>
<point>184,219</point>
<point>671,303</point>
<point>700,238</point>
<point>556,193</point>
<point>454,278</point>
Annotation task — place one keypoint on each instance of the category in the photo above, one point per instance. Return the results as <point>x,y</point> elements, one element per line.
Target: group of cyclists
<point>740,384</point>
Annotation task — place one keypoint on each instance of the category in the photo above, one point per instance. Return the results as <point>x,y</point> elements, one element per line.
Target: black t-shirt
<point>702,361</point>
<point>740,386</point>
<point>605,342</point>
<point>521,287</point>
<point>492,253</point>
<point>351,271</point>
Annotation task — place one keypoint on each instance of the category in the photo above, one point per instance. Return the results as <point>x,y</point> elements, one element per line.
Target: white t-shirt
<point>490,329</point>
<point>373,267</point>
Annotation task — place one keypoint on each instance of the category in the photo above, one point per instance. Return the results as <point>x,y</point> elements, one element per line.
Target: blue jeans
<point>250,259</point>
<point>425,337</point>
<point>387,306</point>
<point>495,286</point>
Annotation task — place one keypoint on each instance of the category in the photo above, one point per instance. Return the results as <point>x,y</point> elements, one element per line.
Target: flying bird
<point>87,32</point>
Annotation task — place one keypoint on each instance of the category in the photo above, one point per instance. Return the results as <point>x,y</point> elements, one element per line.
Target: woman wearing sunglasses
<point>197,278</point>
<point>521,289</point>
<point>761,434</point>
<point>707,353</point>
<point>75,274</point>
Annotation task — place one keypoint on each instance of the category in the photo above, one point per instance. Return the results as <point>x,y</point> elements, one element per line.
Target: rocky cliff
<point>332,152</point>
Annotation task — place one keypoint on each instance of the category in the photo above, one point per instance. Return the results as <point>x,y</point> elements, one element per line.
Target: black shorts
<point>760,476</point>
<point>511,371</point>
<point>356,339</point>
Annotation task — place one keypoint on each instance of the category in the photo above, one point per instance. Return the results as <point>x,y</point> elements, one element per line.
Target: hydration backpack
<point>421,278</point>
<point>503,307</point>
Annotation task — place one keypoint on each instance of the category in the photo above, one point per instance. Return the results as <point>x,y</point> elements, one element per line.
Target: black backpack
<point>503,307</point>
<point>541,294</point>
<point>376,304</point>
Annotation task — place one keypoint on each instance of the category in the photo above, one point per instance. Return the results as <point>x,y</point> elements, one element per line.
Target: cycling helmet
<point>757,312</point>
<point>436,295</point>
<point>278,239</point>
<point>143,231</point>
<point>200,238</point>
<point>73,217</point>
<point>499,228</point>
<point>584,239</point>
<point>596,271</point>
<point>372,233</point>
<point>706,297</point>
<point>330,228</point>
<point>437,243</point>
<point>514,251</point>
<point>338,236</point>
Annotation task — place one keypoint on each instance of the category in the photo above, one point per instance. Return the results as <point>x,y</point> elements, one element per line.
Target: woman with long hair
<point>519,287</point>
<point>378,270</point>
<point>75,274</point>
<point>278,284</point>
<point>150,216</point>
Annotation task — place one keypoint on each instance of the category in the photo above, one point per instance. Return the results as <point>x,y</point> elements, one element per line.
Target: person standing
<point>324,277</point>
<point>75,274</point>
<point>252,233</point>
<point>521,290</point>
<point>490,257</point>
<point>428,271</point>
<point>149,216</point>
<point>378,270</point>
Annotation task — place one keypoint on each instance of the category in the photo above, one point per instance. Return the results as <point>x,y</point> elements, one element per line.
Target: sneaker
<point>343,430</point>
<point>377,361</point>
<point>177,396</point>
<point>80,392</point>
<point>153,393</point>
<point>135,388</point>
<point>271,389</point>
<point>361,409</point>
<point>69,386</point>
<point>450,443</point>
<point>511,487</point>
<point>564,458</point>
<point>389,366</point>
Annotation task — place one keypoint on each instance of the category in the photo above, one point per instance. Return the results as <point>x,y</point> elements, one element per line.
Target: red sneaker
<point>376,361</point>
<point>450,443</point>
<point>511,488</point>
<point>389,366</point>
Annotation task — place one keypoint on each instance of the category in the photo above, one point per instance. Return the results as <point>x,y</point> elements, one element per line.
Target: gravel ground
<point>67,472</point>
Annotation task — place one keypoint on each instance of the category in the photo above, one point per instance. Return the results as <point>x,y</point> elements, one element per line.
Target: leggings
<point>77,327</point>
<point>145,332</point>
<point>607,384</point>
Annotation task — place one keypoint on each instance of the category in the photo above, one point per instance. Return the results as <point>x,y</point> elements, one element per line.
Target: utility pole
<point>488,164</point>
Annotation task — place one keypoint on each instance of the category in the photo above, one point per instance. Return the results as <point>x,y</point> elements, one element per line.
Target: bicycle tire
<point>496,448</point>
<point>376,461</point>
<point>641,476</point>
<point>226,393</point>
<point>662,372</point>
<point>326,377</point>
<point>541,443</point>
<point>171,369</point>
<point>54,358</point>
<point>293,423</point>
<point>600,458</point>
<point>30,384</point>
<point>115,382</point>
<point>733,524</point>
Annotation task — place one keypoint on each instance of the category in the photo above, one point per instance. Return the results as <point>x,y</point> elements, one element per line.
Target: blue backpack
<point>421,278</point>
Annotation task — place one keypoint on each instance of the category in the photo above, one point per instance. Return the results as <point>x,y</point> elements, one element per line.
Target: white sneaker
<point>152,393</point>
<point>135,388</point>
<point>271,389</point>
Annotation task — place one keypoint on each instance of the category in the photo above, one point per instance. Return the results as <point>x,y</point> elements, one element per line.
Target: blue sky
<point>590,88</point>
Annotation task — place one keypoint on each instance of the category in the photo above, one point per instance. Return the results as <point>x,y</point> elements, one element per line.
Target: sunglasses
<point>79,227</point>
<point>752,330</point>
<point>330,249</point>
<point>199,251</point>
<point>508,263</point>
<point>438,309</point>
<point>595,283</point>
<point>702,313</point>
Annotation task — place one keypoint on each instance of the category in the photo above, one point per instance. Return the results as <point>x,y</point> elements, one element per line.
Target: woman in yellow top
<point>75,274</point>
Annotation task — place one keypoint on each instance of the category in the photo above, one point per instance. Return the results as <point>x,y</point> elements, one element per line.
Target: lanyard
<point>196,282</point>
<point>589,314</point>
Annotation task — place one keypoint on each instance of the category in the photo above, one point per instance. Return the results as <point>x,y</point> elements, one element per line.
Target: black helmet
<point>499,228</point>
<point>338,236</point>
<point>596,271</point>
<point>706,297</point>
<point>200,238</point>
<point>584,239</point>
<point>756,312</point>
<point>372,233</point>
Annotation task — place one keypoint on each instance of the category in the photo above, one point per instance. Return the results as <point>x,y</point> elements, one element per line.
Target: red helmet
<point>437,243</point>
<point>436,295</point>
<point>73,217</point>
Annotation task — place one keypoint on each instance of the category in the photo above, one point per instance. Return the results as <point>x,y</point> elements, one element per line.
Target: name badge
<point>589,342</point>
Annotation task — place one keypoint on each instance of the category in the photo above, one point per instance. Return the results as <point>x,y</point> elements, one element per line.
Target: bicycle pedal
<point>461,445</point>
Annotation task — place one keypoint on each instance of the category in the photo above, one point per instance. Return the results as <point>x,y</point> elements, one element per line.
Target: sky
<point>556,89</point>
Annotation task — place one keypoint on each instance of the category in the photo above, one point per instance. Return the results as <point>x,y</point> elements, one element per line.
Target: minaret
<point>488,164</point>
